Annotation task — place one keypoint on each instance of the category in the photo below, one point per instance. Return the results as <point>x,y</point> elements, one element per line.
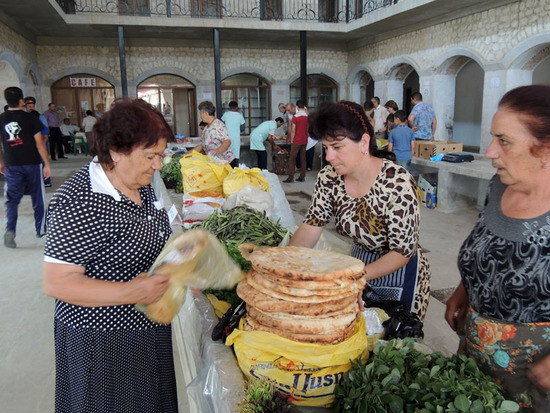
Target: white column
<point>279,94</point>
<point>494,87</point>
<point>354,93</point>
<point>206,90</point>
<point>381,88</point>
<point>394,92</point>
<point>443,102</point>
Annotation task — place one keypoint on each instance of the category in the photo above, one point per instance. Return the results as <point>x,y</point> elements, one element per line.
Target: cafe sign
<point>83,82</point>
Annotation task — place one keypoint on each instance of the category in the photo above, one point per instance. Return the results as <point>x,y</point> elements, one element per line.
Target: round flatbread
<point>321,285</point>
<point>328,338</point>
<point>305,264</point>
<point>266,302</point>
<point>312,299</point>
<point>303,325</point>
<point>352,289</point>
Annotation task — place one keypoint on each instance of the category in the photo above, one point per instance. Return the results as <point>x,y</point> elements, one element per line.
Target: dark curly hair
<point>130,123</point>
<point>348,119</point>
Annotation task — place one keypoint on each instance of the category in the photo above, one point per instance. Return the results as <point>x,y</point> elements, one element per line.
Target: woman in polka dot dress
<point>105,229</point>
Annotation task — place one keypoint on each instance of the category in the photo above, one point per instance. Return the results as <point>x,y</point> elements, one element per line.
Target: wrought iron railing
<point>335,11</point>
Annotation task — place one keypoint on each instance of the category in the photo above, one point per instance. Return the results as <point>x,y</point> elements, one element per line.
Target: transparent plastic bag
<point>193,259</point>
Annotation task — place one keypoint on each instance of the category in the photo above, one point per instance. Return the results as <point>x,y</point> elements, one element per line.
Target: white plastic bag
<point>252,197</point>
<point>198,209</point>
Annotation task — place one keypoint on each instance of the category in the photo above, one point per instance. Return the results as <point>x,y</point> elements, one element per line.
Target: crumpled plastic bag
<point>201,172</point>
<point>241,178</point>
<point>193,259</point>
<point>322,244</point>
<point>252,197</point>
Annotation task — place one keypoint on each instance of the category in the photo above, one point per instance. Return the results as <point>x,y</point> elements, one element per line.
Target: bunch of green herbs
<point>263,397</point>
<point>399,378</point>
<point>171,174</point>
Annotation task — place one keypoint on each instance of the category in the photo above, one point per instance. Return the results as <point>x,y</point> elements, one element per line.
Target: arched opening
<point>541,73</point>
<point>320,88</point>
<point>411,84</point>
<point>8,78</point>
<point>468,105</point>
<point>174,97</point>
<point>252,93</point>
<point>78,93</point>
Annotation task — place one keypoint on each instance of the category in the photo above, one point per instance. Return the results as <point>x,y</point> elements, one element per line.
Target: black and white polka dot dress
<point>109,359</point>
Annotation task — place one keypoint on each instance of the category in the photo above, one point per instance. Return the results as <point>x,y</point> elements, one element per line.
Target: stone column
<point>394,88</point>
<point>354,93</point>
<point>381,88</point>
<point>279,94</point>
<point>443,102</point>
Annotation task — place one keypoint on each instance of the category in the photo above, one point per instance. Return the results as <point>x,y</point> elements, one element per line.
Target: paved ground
<point>26,319</point>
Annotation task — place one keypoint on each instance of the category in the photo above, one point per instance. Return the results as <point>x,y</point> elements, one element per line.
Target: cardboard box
<point>427,183</point>
<point>427,149</point>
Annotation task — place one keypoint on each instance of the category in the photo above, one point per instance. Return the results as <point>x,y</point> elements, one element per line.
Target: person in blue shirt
<point>263,131</point>
<point>401,140</point>
<point>234,122</point>
<point>422,119</point>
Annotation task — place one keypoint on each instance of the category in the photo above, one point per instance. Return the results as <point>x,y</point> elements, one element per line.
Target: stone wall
<point>489,36</point>
<point>17,58</point>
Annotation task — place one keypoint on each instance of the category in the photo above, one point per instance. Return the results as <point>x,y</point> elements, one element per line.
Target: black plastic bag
<point>229,321</point>
<point>402,322</point>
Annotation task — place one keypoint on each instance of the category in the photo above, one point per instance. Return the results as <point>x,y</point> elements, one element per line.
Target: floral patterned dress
<point>385,219</point>
<point>505,268</point>
<point>213,136</point>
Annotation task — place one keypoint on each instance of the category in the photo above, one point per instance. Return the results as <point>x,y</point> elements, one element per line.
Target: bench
<point>459,185</point>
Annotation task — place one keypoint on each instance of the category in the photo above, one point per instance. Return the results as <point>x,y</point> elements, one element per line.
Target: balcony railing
<point>333,11</point>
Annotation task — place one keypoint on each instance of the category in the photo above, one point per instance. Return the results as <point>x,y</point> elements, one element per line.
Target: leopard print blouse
<point>385,219</point>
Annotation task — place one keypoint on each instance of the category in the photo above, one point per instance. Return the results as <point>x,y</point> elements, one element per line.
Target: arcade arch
<point>253,95</point>
<point>174,96</point>
<point>78,93</point>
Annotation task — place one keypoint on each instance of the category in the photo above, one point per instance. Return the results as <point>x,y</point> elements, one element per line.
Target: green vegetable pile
<point>399,378</point>
<point>171,174</point>
<point>262,397</point>
<point>241,224</point>
<point>236,226</point>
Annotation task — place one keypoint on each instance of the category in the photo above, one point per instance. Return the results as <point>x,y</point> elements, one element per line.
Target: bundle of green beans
<point>241,224</point>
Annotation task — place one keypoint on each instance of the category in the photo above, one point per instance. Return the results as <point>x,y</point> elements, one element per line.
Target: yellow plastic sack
<point>308,373</point>
<point>220,306</point>
<point>201,172</point>
<point>241,178</point>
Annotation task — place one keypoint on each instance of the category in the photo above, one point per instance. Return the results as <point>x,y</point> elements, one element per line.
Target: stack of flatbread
<point>302,294</point>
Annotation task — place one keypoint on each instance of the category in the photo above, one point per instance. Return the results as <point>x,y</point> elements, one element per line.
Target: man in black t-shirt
<point>21,155</point>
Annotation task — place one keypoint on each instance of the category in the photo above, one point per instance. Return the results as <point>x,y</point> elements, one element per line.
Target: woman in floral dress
<point>215,140</point>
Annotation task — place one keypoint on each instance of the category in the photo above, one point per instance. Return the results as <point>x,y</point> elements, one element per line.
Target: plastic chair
<point>79,142</point>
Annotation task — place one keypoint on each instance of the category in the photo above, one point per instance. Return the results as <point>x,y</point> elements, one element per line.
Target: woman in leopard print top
<point>373,201</point>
